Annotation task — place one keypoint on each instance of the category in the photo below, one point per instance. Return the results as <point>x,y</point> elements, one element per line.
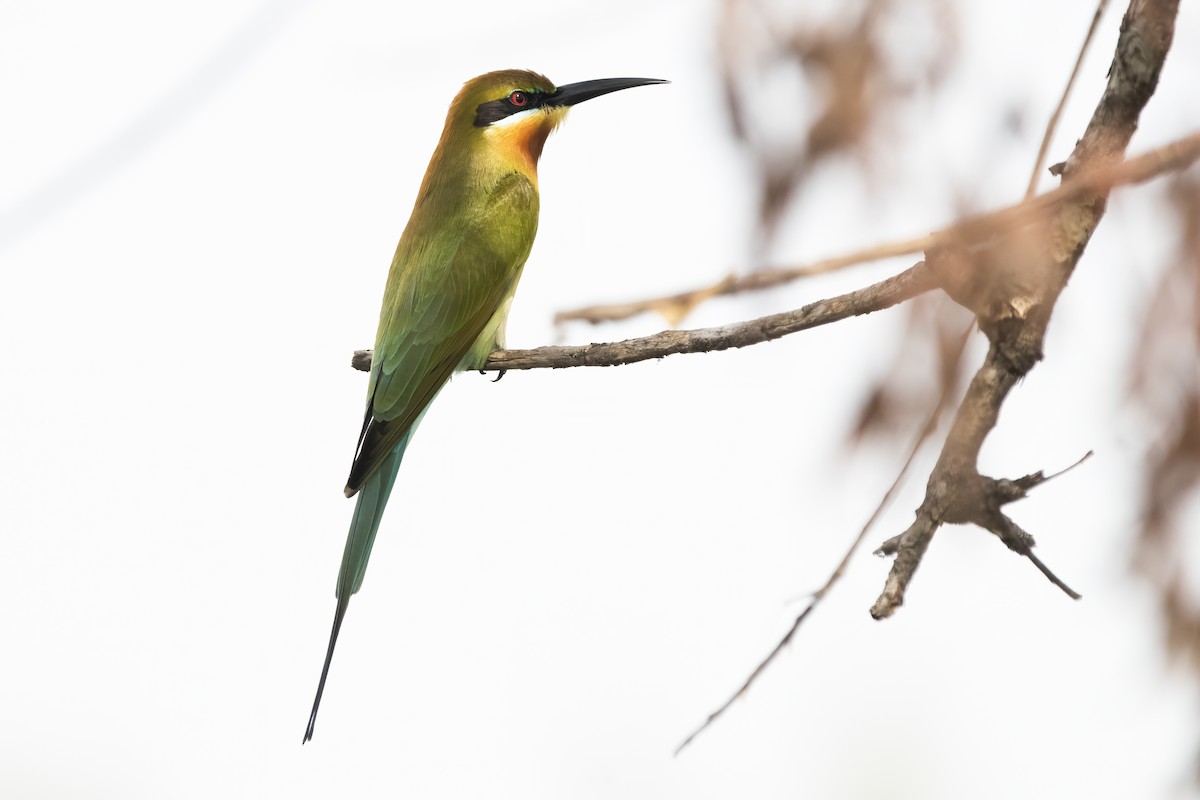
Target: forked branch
<point>1012,283</point>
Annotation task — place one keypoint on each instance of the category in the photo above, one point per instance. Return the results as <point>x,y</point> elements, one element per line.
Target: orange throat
<point>520,143</point>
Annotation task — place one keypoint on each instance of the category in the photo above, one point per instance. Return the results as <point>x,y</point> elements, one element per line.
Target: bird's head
<point>509,114</point>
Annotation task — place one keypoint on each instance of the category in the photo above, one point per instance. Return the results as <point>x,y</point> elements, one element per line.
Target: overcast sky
<point>198,205</point>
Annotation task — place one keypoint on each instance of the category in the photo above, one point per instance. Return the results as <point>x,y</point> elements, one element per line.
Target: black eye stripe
<point>496,110</point>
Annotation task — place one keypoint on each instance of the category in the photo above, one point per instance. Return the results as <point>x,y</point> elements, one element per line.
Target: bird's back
<point>454,270</point>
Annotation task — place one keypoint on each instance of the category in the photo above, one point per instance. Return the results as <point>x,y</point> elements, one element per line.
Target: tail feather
<point>342,603</point>
<point>368,512</point>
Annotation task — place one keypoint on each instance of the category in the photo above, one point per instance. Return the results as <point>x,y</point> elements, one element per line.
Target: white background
<point>198,204</point>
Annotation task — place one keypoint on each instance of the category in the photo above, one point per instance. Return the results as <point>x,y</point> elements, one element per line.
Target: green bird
<point>451,281</point>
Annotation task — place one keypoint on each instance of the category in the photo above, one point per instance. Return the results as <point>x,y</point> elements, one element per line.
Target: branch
<point>908,284</point>
<point>979,503</point>
<point>1012,285</point>
<point>676,306</point>
<point>1171,157</point>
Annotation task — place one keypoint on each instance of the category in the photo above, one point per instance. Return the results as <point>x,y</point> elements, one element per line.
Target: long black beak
<point>574,93</point>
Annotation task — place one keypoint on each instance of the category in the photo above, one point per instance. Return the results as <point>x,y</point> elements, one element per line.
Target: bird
<point>451,282</point>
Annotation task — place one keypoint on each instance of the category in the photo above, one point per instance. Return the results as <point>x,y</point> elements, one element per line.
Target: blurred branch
<point>676,306</point>
<point>853,76</point>
<point>1062,102</point>
<point>1012,285</point>
<point>1077,196</point>
<point>1169,345</point>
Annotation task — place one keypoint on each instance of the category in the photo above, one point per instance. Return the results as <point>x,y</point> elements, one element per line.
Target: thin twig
<point>1021,543</point>
<point>676,306</point>
<point>1065,470</point>
<point>1062,101</point>
<point>1037,562</point>
<point>819,595</point>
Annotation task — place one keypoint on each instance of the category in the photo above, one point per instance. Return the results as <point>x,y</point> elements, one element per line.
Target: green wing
<point>444,286</point>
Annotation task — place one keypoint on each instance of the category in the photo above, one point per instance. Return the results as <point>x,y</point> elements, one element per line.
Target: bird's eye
<point>518,99</point>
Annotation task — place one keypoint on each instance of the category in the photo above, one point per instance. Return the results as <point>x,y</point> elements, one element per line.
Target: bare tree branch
<point>991,494</point>
<point>1012,285</point>
<point>876,297</point>
<point>1083,185</point>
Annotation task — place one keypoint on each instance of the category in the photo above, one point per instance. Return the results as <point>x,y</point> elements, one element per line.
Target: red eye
<point>518,99</point>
